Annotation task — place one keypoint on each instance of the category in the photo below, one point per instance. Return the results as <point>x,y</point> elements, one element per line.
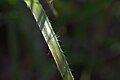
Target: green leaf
<point>50,38</point>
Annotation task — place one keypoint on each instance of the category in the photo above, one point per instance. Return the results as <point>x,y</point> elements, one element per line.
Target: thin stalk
<point>13,46</point>
<point>50,38</point>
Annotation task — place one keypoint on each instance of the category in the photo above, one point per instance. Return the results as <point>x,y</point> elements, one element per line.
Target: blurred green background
<point>89,34</point>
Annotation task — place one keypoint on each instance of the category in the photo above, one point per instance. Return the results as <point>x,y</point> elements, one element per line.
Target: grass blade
<point>50,38</point>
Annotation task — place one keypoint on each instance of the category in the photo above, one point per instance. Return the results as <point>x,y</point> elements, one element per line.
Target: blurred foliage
<point>23,51</point>
<point>89,32</point>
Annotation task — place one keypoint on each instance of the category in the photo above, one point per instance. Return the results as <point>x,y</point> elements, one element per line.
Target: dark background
<point>89,34</point>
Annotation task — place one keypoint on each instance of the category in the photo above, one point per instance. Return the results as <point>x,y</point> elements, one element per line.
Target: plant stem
<point>50,38</point>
